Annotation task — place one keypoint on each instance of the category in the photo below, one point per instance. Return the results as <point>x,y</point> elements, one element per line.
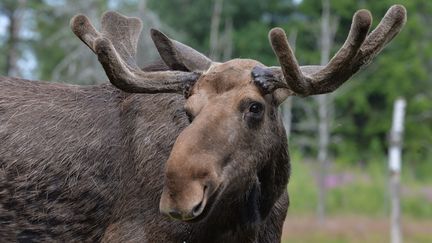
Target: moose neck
<point>149,137</point>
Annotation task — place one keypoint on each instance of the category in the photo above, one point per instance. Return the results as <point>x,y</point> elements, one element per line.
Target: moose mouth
<point>196,213</point>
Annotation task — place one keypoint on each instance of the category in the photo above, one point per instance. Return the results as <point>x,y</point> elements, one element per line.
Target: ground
<point>352,229</point>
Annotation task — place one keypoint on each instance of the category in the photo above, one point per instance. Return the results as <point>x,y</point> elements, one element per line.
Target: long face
<point>233,126</point>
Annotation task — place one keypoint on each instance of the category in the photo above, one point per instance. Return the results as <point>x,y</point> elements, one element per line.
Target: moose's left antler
<point>358,50</point>
<point>116,47</point>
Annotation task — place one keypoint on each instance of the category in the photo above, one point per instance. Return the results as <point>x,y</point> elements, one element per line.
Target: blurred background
<point>341,187</point>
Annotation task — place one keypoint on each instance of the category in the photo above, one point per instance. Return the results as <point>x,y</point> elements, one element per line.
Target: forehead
<point>222,77</point>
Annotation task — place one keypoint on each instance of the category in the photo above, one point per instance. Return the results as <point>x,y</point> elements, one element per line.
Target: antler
<point>116,47</point>
<point>179,56</point>
<point>358,50</point>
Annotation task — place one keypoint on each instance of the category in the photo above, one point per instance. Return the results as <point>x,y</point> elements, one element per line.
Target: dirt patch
<point>352,229</point>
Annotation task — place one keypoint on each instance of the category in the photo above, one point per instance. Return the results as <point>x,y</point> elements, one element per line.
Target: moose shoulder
<point>70,154</point>
<point>137,161</point>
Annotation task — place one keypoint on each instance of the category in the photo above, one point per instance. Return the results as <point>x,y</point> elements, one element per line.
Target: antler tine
<point>116,47</point>
<point>336,72</point>
<point>179,56</point>
<point>358,50</point>
<point>304,85</point>
<point>123,32</point>
<point>84,30</point>
<point>289,65</point>
<point>387,29</point>
<point>331,77</point>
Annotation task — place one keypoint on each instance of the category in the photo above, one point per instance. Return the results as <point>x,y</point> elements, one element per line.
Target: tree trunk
<point>323,113</point>
<point>214,30</point>
<point>12,53</point>
<point>228,39</point>
<point>395,162</point>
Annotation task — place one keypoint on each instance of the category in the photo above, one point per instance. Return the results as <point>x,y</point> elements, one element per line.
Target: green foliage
<point>49,52</point>
<point>251,43</point>
<point>56,44</point>
<point>302,187</point>
<point>2,60</point>
<point>190,16</point>
<point>248,17</point>
<point>366,193</point>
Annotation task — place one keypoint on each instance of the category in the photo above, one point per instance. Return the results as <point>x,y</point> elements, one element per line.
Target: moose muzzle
<point>189,185</point>
<point>185,201</point>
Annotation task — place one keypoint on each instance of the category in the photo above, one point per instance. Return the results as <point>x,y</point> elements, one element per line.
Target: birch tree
<point>324,102</point>
<point>13,10</point>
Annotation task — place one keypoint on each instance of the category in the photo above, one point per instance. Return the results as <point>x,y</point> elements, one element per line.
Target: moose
<point>182,150</point>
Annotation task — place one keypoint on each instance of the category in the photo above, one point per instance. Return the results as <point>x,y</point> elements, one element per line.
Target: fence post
<point>395,162</point>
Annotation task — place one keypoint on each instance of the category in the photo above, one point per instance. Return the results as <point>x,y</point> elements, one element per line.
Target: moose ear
<point>179,56</point>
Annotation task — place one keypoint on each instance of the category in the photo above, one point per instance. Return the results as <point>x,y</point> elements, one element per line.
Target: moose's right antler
<point>116,47</point>
<point>358,50</point>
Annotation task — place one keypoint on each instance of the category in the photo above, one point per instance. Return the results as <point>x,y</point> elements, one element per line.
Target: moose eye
<point>255,108</point>
<point>254,114</point>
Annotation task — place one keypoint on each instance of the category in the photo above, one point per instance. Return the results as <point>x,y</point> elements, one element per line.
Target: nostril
<point>197,209</point>
<point>175,214</point>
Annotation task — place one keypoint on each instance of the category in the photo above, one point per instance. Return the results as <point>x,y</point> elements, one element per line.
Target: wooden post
<point>395,162</point>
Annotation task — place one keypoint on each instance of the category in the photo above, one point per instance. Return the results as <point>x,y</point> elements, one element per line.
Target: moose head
<point>235,142</point>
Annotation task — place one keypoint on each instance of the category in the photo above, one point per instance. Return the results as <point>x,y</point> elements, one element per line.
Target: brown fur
<point>87,163</point>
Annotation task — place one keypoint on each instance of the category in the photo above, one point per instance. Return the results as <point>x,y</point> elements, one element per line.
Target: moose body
<point>137,162</point>
<point>71,153</point>
<point>86,163</point>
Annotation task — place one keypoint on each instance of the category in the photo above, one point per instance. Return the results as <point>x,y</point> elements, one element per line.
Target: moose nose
<point>186,215</point>
<point>198,209</point>
<point>184,206</point>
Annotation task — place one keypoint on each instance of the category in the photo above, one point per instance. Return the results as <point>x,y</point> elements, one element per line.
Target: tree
<point>61,56</point>
<point>13,10</point>
<point>328,30</point>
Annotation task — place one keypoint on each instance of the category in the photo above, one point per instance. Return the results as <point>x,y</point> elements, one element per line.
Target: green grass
<point>367,194</point>
<point>358,210</point>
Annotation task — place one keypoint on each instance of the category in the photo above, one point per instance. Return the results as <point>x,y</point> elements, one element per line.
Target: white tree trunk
<point>323,113</point>
<point>395,162</point>
<point>287,116</point>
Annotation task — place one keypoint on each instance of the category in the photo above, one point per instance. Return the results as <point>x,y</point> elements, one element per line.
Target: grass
<point>357,205</point>
<point>354,190</point>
